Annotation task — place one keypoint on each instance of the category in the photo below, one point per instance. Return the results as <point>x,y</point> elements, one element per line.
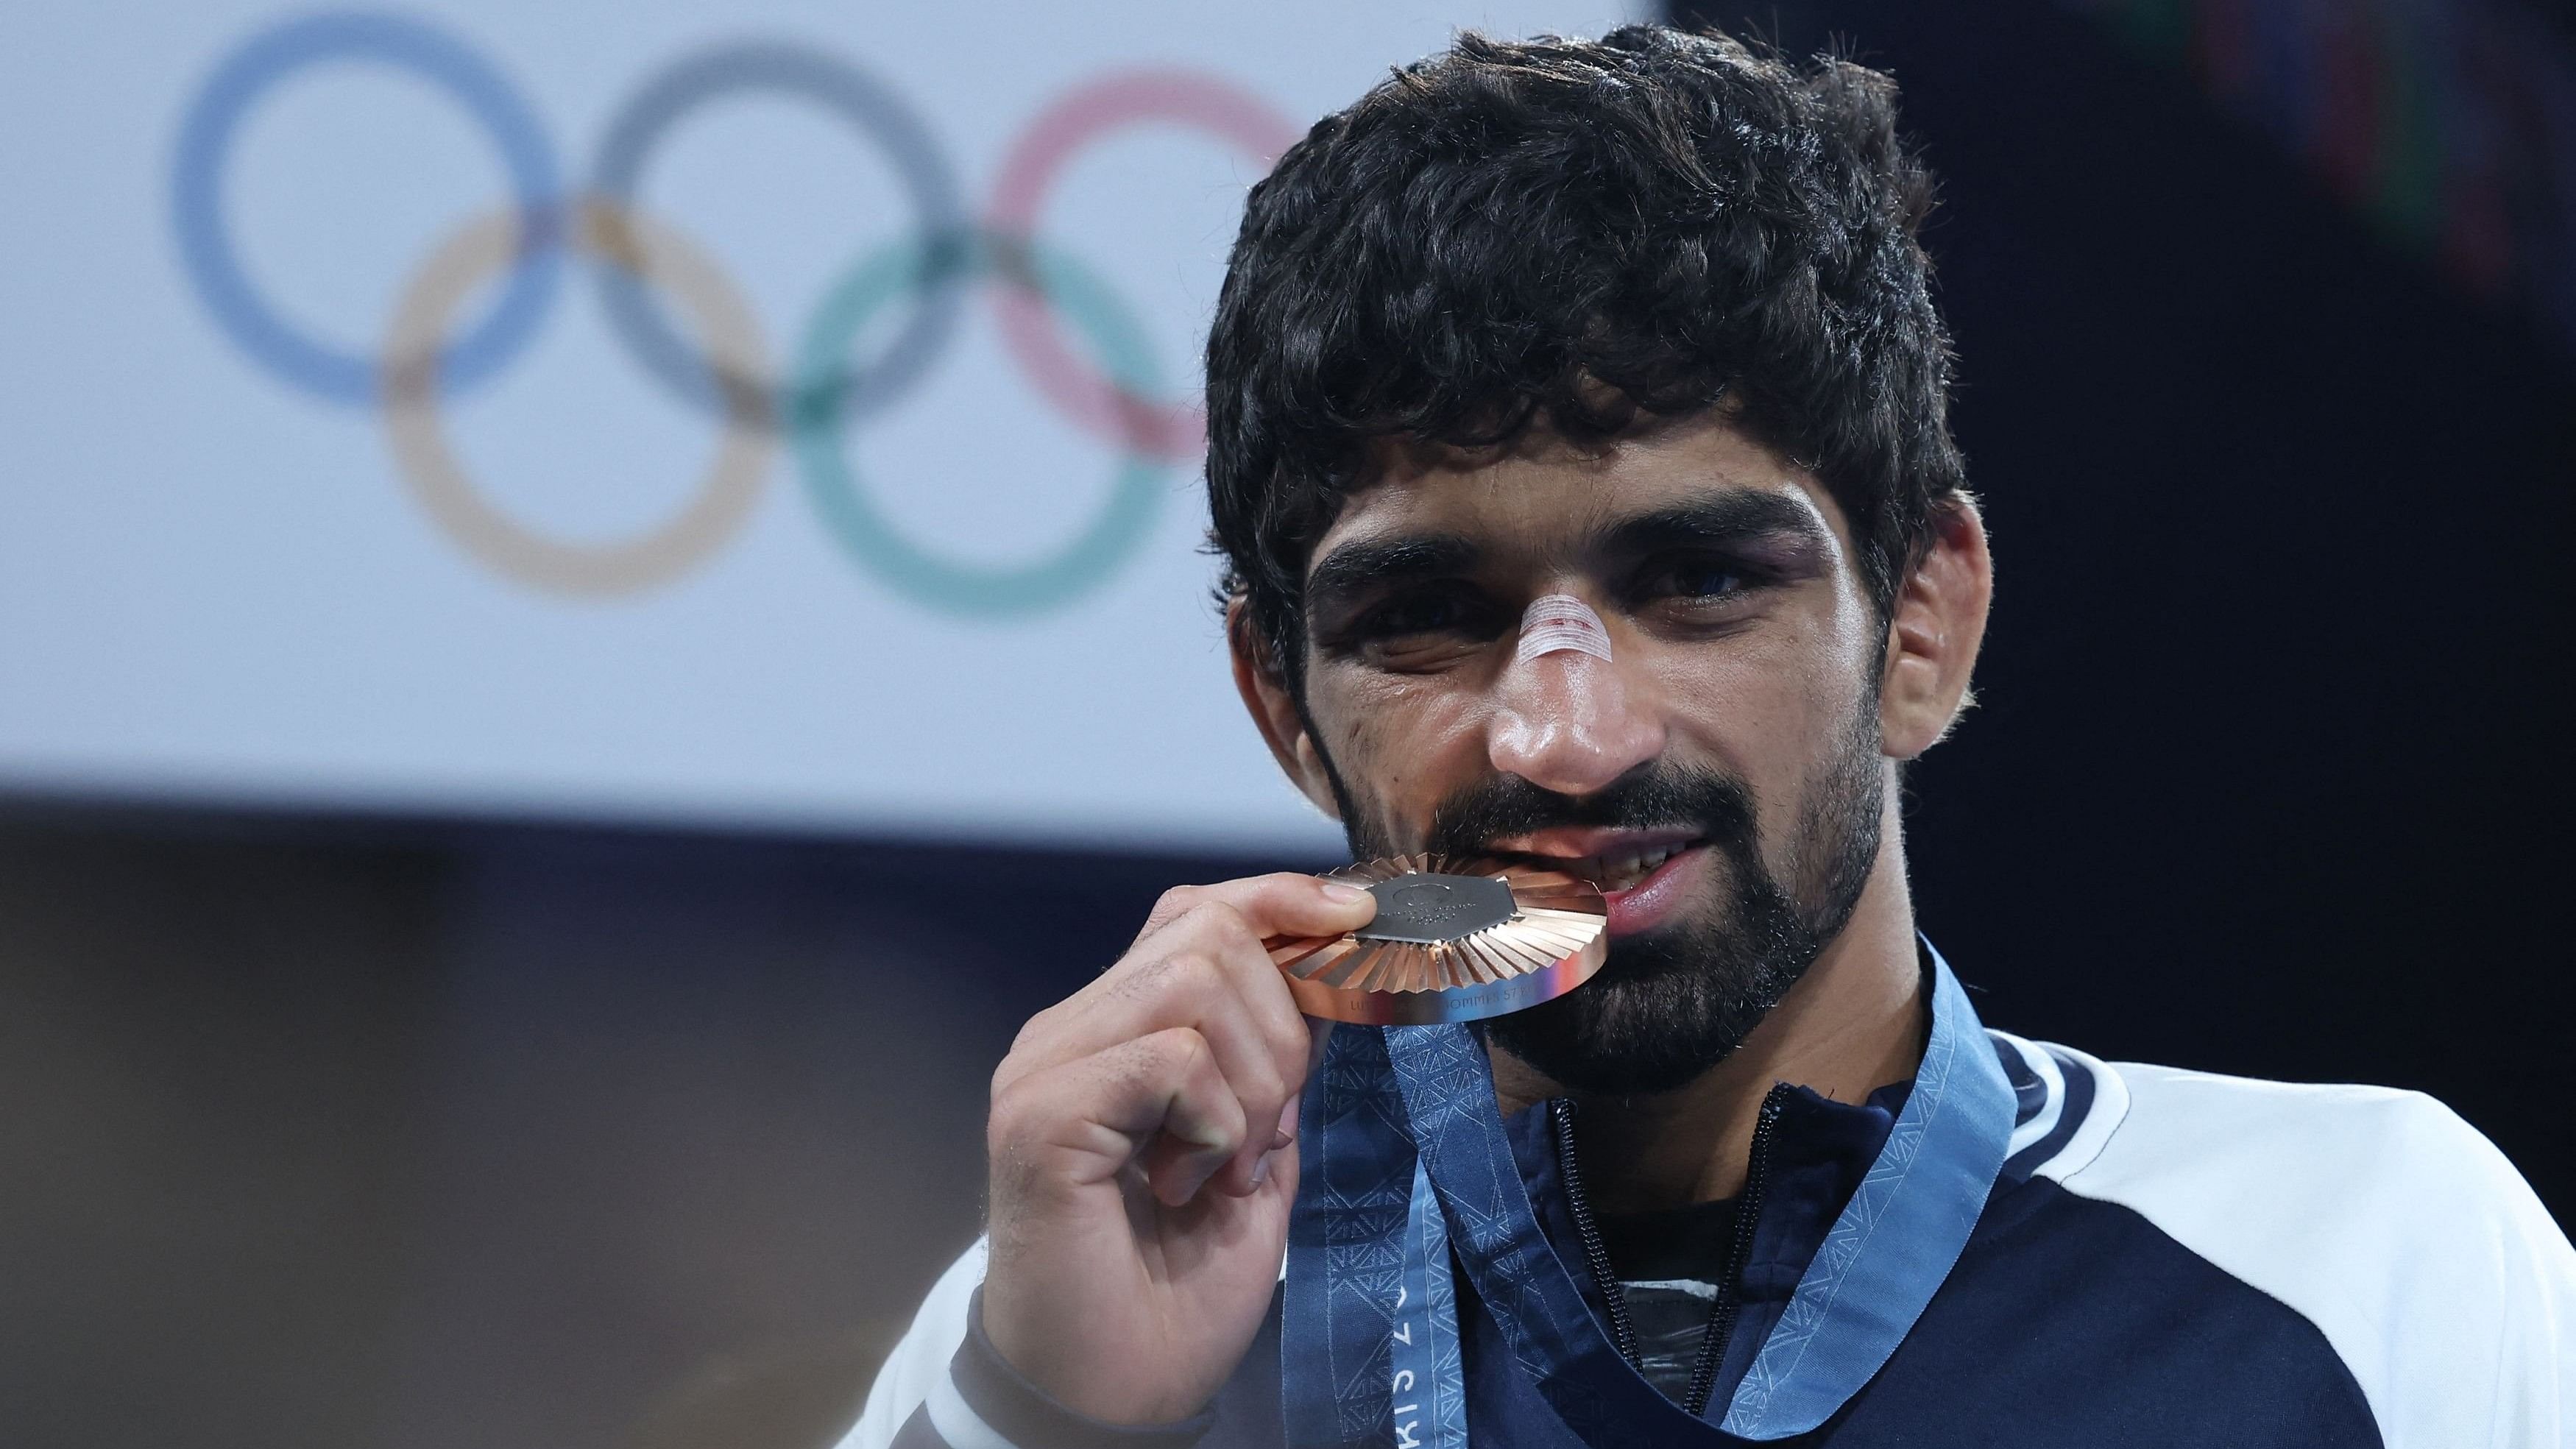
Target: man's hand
<point>1143,1155</point>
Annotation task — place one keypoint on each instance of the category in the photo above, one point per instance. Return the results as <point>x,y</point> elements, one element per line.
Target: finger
<point>1158,1100</point>
<point>1259,1038</point>
<point>1281,904</point>
<point>1277,1169</point>
<point>1320,1034</point>
<point>1208,917</point>
<point>1203,1125</point>
<point>1205,970</point>
<point>1251,1169</point>
<point>1281,1177</point>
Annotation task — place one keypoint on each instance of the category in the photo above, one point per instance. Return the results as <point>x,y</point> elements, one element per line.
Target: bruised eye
<point>1705,581</point>
<point>1697,580</point>
<point>1419,628</point>
<point>1700,590</point>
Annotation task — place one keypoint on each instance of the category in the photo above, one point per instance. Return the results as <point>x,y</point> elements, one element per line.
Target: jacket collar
<point>1899,1236</point>
<point>1865,1209</point>
<point>1373,1217</point>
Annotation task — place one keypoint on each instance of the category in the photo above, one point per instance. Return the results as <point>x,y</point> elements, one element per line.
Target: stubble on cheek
<point>1676,1001</point>
<point>1384,743</point>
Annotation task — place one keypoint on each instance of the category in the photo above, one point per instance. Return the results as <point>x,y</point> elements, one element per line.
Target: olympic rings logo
<point>720,364</point>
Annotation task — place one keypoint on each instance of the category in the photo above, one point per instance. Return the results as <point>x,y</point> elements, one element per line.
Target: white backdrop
<point>220,580</point>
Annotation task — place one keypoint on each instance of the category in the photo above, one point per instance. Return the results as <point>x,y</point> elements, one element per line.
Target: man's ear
<point>1264,687</point>
<point>1937,624</point>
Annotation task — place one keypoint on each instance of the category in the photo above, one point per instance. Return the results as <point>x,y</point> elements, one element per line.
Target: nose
<point>1567,721</point>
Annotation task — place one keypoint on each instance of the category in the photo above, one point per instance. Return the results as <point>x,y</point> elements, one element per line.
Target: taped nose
<point>1562,717</point>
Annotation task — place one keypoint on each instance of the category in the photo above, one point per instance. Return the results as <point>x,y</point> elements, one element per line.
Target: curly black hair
<point>1579,235</point>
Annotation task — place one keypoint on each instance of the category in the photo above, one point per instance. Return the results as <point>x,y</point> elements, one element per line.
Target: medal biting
<point>1453,940</point>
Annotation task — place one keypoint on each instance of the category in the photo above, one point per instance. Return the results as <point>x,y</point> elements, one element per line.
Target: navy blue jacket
<point>2164,1258</point>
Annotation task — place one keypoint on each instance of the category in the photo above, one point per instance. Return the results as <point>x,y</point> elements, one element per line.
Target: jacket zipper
<point>1748,1211</point>
<point>1730,1290</point>
<point>1623,1336</point>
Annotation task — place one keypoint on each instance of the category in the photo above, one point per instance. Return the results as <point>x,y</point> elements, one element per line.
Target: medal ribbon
<point>1369,1348</point>
<point>1401,1116</point>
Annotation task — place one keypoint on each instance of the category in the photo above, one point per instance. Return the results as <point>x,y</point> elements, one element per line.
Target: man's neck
<point>1852,1024</point>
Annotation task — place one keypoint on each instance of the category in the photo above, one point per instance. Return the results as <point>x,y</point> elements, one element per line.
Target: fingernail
<point>1281,1139</point>
<point>1343,893</point>
<point>1261,1170</point>
<point>1288,1119</point>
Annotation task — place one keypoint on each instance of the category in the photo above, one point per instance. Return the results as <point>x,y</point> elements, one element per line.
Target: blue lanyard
<point>1407,1168</point>
<point>1369,1350</point>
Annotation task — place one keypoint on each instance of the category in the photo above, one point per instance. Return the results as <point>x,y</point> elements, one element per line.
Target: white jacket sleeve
<point>920,1359</point>
<point>2392,1225</point>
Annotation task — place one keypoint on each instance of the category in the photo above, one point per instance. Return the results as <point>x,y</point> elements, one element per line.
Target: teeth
<point>1618,870</point>
<point>1626,868</point>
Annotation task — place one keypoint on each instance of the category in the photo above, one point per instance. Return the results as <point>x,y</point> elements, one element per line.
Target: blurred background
<point>486,956</point>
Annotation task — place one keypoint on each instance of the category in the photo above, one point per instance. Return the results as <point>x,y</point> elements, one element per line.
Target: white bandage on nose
<point>1562,621</point>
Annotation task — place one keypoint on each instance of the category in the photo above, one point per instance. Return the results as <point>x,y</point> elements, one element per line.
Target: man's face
<point>1721,776</point>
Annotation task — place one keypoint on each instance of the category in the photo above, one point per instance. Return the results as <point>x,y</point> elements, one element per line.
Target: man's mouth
<point>1611,859</point>
<point>1641,875</point>
<point>1620,871</point>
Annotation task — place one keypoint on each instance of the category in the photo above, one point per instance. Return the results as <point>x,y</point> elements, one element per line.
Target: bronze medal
<point>1453,940</point>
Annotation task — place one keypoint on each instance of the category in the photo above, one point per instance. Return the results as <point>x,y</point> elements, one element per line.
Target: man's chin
<point>1584,1058</point>
<point>1624,1038</point>
<point>1669,1005</point>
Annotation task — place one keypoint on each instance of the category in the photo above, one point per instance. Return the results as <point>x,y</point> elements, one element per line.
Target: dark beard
<point>1673,1002</point>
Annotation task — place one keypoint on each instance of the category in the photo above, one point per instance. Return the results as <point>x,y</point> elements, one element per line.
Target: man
<point>1644,323</point>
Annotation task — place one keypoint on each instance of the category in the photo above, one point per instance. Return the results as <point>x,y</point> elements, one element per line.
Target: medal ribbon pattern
<point>1409,1169</point>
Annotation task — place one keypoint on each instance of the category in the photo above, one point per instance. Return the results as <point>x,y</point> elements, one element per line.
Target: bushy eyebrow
<point>1366,564</point>
<point>1733,517</point>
